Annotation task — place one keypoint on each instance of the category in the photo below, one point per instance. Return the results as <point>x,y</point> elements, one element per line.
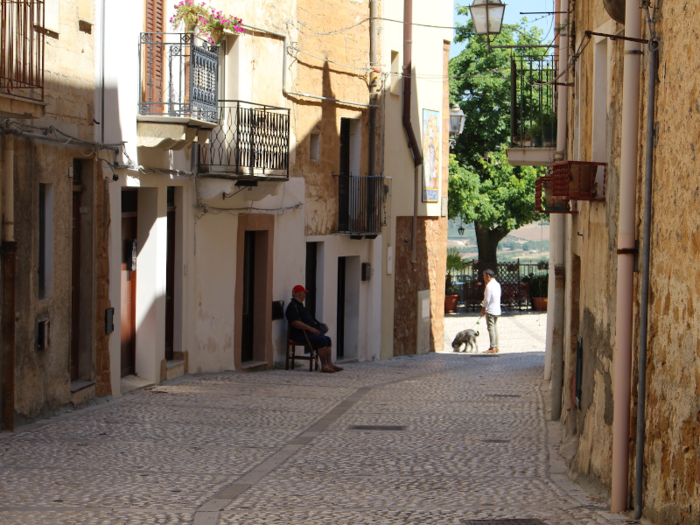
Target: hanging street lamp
<point>488,20</point>
<point>457,120</point>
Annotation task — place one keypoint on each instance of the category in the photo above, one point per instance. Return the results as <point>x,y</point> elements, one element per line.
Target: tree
<point>483,186</point>
<point>499,201</point>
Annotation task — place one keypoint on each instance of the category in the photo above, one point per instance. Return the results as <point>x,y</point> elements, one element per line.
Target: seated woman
<point>305,330</point>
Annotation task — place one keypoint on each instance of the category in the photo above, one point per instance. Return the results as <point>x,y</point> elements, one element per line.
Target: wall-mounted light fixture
<point>457,120</point>
<point>488,20</point>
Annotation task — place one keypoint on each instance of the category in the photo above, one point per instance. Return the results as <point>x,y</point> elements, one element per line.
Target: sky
<point>512,16</point>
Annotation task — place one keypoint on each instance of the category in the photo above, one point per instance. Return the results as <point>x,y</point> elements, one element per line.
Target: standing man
<point>305,330</point>
<point>491,307</point>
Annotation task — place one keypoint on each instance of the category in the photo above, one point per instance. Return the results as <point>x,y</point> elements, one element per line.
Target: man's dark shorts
<point>317,341</point>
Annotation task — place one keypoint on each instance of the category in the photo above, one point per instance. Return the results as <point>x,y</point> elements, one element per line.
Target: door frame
<point>264,253</point>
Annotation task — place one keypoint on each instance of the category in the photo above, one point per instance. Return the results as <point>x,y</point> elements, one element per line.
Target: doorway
<point>75,287</point>
<point>170,277</point>
<point>248,343</point>
<point>128,282</point>
<point>340,331</point>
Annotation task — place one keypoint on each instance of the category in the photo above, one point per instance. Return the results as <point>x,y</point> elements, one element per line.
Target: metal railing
<point>250,140</point>
<point>178,76</point>
<point>533,119</point>
<point>361,204</point>
<point>22,42</point>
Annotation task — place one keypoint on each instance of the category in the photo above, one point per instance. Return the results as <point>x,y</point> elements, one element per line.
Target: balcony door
<point>349,167</point>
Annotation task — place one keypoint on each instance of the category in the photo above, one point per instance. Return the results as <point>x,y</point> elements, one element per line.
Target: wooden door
<point>340,333</point>
<point>128,283</point>
<point>75,291</point>
<point>248,325</point>
<point>170,287</point>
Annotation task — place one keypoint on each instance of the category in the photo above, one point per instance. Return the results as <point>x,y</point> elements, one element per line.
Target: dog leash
<point>477,321</point>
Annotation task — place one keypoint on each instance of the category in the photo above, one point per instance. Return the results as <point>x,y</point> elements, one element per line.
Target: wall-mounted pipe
<point>622,360</point>
<point>373,86</point>
<point>413,145</point>
<point>644,313</point>
<point>285,91</point>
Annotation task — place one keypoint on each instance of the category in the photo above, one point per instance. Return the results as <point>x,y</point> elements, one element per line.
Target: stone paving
<point>471,441</point>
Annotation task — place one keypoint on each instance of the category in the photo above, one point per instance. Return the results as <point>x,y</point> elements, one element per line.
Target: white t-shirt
<point>492,298</point>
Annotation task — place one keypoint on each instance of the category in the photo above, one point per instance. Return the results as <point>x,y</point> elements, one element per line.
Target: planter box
<point>539,304</point>
<point>451,303</point>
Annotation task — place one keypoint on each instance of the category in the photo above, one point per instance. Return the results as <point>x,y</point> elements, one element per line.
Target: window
<point>315,148</point>
<point>45,239</point>
<point>395,73</point>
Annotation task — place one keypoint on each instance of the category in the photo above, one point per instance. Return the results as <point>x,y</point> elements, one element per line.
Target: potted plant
<point>216,22</point>
<point>454,263</point>
<point>539,288</point>
<point>188,15</point>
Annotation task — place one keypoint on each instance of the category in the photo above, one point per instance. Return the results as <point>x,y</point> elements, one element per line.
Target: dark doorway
<point>340,333</point>
<point>128,302</point>
<point>310,283</point>
<point>248,326</point>
<point>75,289</point>
<point>170,278</point>
<point>344,178</point>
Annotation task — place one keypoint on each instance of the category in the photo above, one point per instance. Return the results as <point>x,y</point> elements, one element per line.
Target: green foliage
<point>539,284</point>
<point>456,264</point>
<point>483,186</point>
<point>501,195</point>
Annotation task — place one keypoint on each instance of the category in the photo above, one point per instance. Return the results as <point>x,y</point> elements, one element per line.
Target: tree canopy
<point>483,186</point>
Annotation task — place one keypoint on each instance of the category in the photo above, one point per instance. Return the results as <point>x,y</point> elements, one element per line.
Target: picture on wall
<point>431,155</point>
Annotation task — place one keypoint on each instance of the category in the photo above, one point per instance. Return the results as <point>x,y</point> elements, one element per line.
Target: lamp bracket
<point>616,37</point>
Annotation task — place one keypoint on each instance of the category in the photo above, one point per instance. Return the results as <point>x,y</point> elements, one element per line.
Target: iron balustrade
<point>533,121</point>
<point>250,140</point>
<point>22,41</point>
<point>361,204</point>
<point>178,76</point>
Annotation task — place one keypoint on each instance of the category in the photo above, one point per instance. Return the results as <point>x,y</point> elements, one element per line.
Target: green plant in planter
<point>454,262</point>
<point>188,14</point>
<point>539,284</point>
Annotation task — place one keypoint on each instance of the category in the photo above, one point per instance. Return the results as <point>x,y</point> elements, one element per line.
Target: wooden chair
<point>312,356</point>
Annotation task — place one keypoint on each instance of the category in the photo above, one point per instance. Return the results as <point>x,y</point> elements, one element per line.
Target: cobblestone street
<point>458,437</point>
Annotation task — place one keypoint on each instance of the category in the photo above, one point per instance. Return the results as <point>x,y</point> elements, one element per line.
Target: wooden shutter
<point>155,51</point>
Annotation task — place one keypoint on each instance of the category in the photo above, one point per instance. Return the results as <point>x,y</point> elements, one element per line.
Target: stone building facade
<point>55,266</point>
<point>600,129</point>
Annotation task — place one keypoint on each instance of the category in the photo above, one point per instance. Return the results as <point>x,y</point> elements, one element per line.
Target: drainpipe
<point>373,85</point>
<point>9,270</point>
<point>622,360</point>
<point>408,127</point>
<point>284,72</point>
<point>644,314</point>
<point>557,281</point>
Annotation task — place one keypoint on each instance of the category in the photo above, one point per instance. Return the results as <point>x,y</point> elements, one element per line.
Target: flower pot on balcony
<point>539,304</point>
<point>451,303</point>
<point>217,35</point>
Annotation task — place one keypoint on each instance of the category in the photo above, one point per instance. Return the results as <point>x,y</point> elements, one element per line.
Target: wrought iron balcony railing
<point>22,42</point>
<point>251,140</point>
<point>361,204</point>
<point>178,76</point>
<point>533,119</point>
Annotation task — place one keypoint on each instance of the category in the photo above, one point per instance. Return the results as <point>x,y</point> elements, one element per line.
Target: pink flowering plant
<point>212,26</point>
<point>210,22</point>
<point>188,14</point>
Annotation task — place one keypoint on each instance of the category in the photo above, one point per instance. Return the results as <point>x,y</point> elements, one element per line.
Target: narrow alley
<point>438,438</point>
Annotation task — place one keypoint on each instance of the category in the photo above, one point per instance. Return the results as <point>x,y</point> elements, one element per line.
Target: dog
<point>466,338</point>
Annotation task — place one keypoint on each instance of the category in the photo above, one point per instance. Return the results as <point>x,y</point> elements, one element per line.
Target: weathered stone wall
<point>672,487</point>
<point>591,265</point>
<point>671,456</point>
<point>319,77</point>
<point>42,377</point>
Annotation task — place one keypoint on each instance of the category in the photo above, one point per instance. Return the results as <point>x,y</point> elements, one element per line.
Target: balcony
<point>533,119</point>
<point>22,62</point>
<point>548,198</point>
<point>361,205</point>
<point>250,142</point>
<point>178,90</point>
